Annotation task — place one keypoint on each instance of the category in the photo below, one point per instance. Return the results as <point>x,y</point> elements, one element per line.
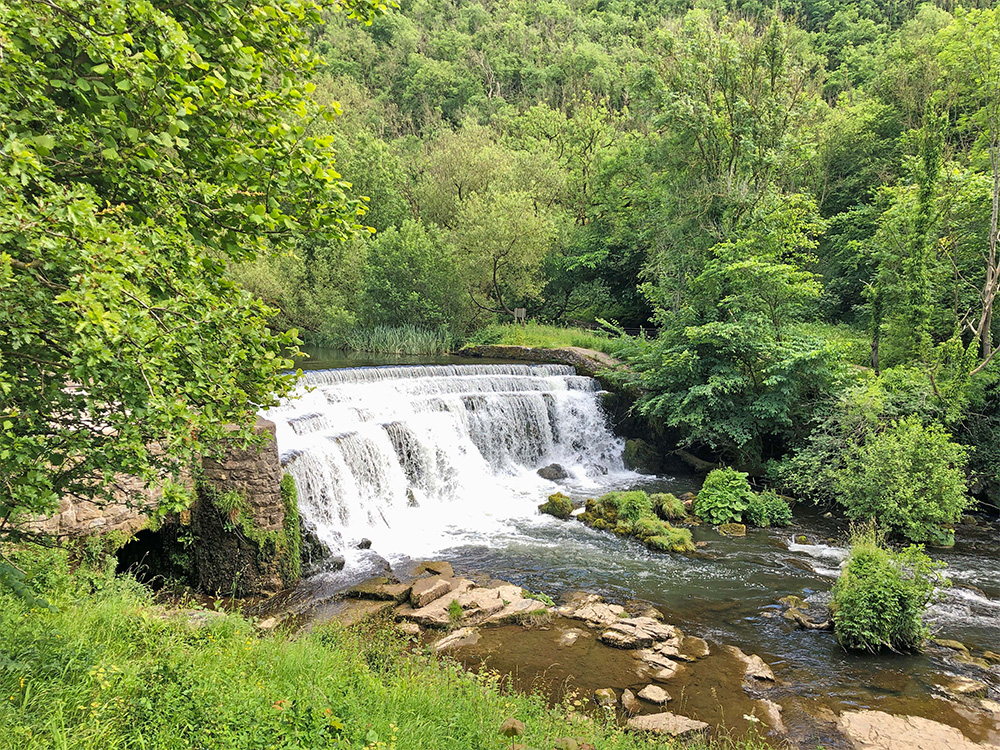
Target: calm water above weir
<point>439,461</point>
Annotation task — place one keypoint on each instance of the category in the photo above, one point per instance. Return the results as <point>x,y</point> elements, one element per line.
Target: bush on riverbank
<point>111,670</point>
<point>724,497</point>
<point>880,597</point>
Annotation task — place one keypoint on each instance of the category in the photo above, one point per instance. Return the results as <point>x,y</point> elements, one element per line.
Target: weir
<point>405,456</point>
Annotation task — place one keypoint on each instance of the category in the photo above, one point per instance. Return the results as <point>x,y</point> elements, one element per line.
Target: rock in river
<point>877,730</point>
<point>666,723</point>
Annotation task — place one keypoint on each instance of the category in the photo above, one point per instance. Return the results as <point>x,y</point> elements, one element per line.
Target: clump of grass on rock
<point>632,514</point>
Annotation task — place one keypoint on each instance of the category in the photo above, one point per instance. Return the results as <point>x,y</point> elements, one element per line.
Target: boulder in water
<point>640,456</point>
<point>553,472</point>
<point>733,529</point>
<point>558,505</point>
<point>630,703</point>
<point>756,668</point>
<point>655,694</point>
<point>364,544</point>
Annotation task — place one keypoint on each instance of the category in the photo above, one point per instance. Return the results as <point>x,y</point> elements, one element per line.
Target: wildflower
<point>751,718</point>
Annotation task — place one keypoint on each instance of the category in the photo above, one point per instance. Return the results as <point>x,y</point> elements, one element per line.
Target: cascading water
<point>419,458</point>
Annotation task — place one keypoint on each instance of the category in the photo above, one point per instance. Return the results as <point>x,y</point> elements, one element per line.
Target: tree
<point>410,279</point>
<point>909,479</point>
<point>501,240</point>
<point>143,146</point>
<point>970,59</point>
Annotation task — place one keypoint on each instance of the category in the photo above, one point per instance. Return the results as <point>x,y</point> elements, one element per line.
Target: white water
<point>419,459</point>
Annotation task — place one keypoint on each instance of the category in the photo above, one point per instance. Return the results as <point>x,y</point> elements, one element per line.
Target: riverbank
<point>633,661</point>
<point>111,668</point>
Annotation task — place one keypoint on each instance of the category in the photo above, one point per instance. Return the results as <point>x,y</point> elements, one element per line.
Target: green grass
<point>108,671</point>
<point>395,340</point>
<point>547,336</point>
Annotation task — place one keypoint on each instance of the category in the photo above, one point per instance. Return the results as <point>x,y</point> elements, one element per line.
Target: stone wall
<point>239,549</point>
<point>126,511</point>
<point>236,551</point>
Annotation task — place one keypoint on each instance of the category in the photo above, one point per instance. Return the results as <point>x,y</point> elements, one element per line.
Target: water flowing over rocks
<point>402,455</point>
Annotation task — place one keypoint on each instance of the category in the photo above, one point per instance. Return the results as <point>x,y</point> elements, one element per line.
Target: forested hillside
<point>798,199</point>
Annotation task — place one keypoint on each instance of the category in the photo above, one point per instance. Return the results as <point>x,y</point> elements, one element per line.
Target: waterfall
<point>417,457</point>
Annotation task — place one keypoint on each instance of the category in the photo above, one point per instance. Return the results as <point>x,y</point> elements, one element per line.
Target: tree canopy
<point>144,147</point>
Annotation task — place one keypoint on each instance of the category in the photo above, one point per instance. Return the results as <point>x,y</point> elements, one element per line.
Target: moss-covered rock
<point>558,505</point>
<point>640,456</point>
<point>632,514</point>
<point>668,506</point>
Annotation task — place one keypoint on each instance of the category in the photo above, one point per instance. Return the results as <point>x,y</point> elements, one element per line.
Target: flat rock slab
<point>516,612</point>
<point>380,588</point>
<point>877,730</point>
<point>433,568</point>
<point>427,590</point>
<point>654,694</point>
<point>596,613</point>
<point>666,723</point>
<point>355,610</point>
<point>435,614</point>
<point>458,639</point>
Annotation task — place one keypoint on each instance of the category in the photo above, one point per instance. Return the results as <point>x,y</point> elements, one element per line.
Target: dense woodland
<point>797,203</point>
<point>782,218</point>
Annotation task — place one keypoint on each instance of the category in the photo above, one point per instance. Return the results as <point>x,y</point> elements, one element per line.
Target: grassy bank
<point>551,337</point>
<point>110,670</point>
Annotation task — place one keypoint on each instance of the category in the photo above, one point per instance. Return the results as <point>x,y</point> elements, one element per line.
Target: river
<point>438,460</point>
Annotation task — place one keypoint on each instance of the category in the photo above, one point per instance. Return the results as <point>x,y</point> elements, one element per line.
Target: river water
<point>438,461</point>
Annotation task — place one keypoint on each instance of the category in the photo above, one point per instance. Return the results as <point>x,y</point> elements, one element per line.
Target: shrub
<point>768,509</point>
<point>668,506</point>
<point>724,496</point>
<point>910,479</point>
<point>880,597</point>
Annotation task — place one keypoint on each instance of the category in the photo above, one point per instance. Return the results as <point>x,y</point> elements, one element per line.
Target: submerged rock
<point>964,687</point>
<point>732,529</point>
<point>605,697</point>
<point>458,639</point>
<point>696,647</point>
<point>666,723</point>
